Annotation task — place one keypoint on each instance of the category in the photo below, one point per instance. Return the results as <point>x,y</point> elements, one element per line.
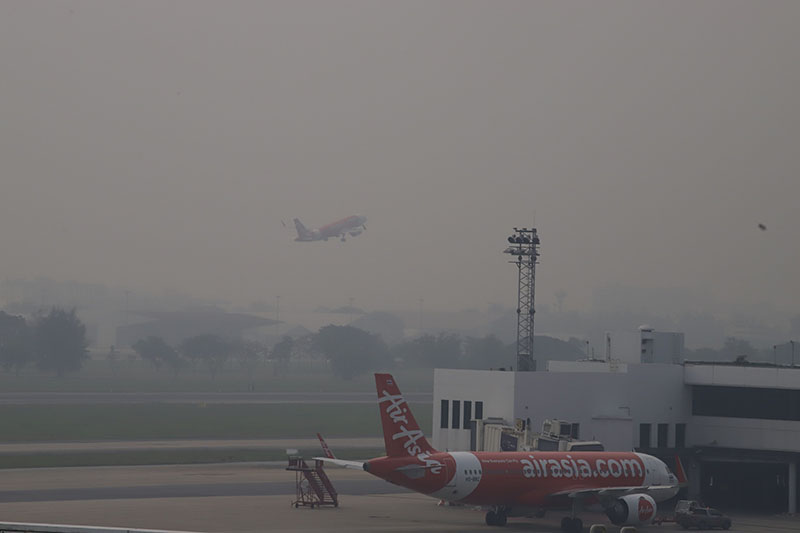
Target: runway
<point>250,498</point>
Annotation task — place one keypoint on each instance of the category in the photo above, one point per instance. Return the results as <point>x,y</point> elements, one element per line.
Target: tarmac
<point>253,497</point>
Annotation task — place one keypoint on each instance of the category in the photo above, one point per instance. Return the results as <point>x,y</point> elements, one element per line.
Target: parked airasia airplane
<point>625,485</point>
<point>354,225</point>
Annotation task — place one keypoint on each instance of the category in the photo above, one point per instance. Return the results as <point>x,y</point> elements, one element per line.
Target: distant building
<point>644,346</point>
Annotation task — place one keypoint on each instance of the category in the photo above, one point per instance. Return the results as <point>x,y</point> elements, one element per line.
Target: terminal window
<point>680,435</point>
<point>644,435</point>
<point>467,414</point>
<point>445,414</point>
<point>456,415</point>
<point>746,402</point>
<point>663,435</point>
<point>478,410</point>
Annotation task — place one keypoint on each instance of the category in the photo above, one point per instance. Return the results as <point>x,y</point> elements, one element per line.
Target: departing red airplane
<point>625,485</point>
<point>354,225</point>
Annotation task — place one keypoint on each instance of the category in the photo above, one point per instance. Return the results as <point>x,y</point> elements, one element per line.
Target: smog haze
<point>160,145</point>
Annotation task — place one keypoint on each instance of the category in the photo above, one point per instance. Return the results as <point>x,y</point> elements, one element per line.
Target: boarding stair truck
<point>313,487</point>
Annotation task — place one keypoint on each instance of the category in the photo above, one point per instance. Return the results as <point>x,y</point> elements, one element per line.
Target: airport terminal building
<point>735,426</point>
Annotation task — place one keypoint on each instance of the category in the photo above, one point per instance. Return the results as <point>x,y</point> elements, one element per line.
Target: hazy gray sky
<point>159,144</point>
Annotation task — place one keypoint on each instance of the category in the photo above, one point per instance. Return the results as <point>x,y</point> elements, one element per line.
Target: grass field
<point>112,421</point>
<point>54,423</point>
<point>159,457</point>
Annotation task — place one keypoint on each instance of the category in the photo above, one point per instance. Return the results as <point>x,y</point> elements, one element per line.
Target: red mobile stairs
<point>314,488</point>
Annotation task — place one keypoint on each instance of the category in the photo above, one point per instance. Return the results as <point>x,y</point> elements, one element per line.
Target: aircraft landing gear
<point>571,525</point>
<point>496,517</point>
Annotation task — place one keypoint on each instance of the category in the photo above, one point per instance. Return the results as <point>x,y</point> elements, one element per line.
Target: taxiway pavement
<point>250,498</point>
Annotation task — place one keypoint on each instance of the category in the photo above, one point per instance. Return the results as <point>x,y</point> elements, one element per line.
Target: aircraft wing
<point>353,465</point>
<point>603,493</point>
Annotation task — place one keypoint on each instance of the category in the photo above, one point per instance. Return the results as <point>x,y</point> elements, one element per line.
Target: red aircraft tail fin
<point>680,473</point>
<point>303,233</point>
<point>325,448</point>
<point>401,433</point>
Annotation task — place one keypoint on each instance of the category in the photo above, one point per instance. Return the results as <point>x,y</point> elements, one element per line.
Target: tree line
<point>53,342</point>
<point>349,352</point>
<point>208,351</point>
<point>352,351</point>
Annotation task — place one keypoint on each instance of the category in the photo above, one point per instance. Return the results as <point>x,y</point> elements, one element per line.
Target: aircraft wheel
<point>491,518</point>
<point>577,525</point>
<point>501,519</point>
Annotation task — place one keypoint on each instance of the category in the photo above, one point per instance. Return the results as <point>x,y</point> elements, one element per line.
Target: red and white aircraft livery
<point>354,225</point>
<point>625,485</point>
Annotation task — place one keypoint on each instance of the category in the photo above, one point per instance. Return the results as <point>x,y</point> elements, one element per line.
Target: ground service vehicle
<point>686,506</point>
<point>703,518</point>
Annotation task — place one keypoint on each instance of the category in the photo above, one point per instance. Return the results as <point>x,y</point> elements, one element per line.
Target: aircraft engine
<point>355,232</point>
<point>632,510</point>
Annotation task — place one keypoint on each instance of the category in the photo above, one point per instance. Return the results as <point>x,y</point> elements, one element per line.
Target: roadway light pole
<point>524,248</point>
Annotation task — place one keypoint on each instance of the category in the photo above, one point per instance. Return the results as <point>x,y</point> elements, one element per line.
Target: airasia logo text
<point>396,408</point>
<point>580,468</point>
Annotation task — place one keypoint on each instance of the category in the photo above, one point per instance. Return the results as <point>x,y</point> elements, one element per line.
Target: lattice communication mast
<point>524,246</point>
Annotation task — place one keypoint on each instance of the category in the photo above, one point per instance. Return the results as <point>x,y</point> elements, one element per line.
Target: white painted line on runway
<point>19,527</point>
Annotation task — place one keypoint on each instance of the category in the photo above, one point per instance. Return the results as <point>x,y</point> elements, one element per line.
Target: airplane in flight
<point>625,485</point>
<point>354,225</point>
